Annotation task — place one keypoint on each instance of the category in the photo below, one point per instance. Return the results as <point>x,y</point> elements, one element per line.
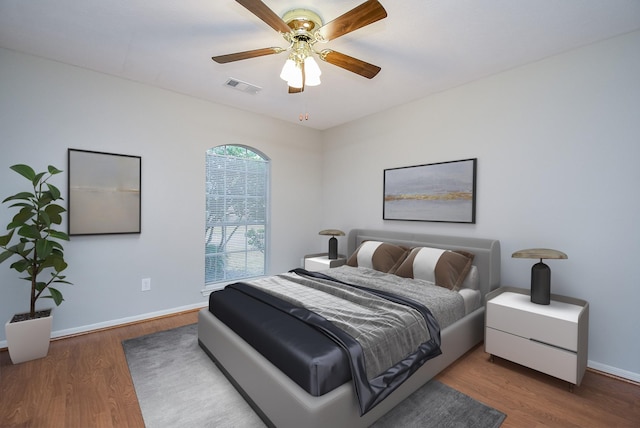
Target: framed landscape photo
<point>442,192</point>
<point>104,193</point>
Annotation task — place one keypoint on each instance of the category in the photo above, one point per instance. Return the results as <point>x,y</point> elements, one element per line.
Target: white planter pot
<point>28,340</point>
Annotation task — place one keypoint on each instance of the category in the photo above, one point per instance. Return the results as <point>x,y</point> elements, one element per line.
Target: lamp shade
<point>540,272</point>
<point>331,232</point>
<point>288,70</point>
<point>311,72</point>
<point>539,253</point>
<point>292,73</point>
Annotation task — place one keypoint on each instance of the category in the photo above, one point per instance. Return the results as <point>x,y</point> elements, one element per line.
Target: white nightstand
<point>549,338</point>
<point>315,262</point>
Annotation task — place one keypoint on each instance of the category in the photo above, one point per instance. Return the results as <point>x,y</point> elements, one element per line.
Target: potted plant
<point>33,242</point>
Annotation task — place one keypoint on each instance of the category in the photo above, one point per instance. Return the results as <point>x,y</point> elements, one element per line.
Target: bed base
<point>282,403</point>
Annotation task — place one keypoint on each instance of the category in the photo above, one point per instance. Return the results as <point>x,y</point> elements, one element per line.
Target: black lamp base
<point>540,284</point>
<point>333,248</point>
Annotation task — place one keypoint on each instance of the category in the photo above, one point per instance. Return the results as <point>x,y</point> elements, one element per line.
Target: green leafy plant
<point>37,246</point>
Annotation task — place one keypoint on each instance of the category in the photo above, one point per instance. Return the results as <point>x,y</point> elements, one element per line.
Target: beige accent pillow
<point>445,268</point>
<point>377,255</point>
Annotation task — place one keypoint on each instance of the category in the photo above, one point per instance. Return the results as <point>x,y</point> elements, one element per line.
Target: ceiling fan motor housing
<point>304,23</point>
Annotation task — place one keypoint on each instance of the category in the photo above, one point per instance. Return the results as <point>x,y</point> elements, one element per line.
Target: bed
<point>283,402</point>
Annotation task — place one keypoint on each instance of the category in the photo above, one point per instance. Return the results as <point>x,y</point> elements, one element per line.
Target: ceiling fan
<point>302,29</point>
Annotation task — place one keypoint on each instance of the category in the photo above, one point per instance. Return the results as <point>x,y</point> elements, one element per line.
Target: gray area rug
<point>178,385</point>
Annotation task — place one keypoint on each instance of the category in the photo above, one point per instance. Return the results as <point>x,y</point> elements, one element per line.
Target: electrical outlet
<point>146,284</point>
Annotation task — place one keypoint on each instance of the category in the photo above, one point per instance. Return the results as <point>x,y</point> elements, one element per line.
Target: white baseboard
<point>117,322</point>
<point>614,371</point>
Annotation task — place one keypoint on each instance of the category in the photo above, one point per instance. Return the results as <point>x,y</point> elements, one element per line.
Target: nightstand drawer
<point>547,359</point>
<point>555,324</point>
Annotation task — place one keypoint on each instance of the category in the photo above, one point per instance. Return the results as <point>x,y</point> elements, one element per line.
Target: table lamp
<point>540,272</point>
<point>333,242</point>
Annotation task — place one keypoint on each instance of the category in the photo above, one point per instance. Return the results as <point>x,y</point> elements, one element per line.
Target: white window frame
<point>217,285</point>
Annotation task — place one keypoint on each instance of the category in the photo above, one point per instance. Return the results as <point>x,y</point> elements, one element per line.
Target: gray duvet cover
<point>394,337</point>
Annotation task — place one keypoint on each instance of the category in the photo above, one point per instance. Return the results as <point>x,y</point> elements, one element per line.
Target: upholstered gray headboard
<point>487,251</point>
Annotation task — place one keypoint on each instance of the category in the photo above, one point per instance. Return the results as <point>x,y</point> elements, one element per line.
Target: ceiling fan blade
<point>223,59</point>
<point>358,17</point>
<point>350,63</point>
<point>263,12</point>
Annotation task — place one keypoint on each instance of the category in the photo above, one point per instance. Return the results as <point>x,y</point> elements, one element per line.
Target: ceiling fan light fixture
<point>288,70</point>
<point>311,81</point>
<point>311,72</point>
<point>296,80</point>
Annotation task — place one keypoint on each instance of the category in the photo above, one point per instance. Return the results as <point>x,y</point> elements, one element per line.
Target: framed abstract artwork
<point>441,192</point>
<point>104,193</point>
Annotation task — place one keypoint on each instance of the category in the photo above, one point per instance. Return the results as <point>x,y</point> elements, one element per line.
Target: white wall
<point>558,154</point>
<point>47,107</point>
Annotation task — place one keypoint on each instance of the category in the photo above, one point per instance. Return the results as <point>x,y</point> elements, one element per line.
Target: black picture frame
<point>104,193</point>
<point>435,192</point>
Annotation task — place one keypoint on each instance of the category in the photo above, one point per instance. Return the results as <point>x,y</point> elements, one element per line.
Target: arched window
<point>236,213</point>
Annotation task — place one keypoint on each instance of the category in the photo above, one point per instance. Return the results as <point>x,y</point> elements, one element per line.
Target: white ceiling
<point>423,46</point>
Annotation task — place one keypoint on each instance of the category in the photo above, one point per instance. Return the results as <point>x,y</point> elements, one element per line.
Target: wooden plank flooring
<point>533,399</point>
<point>85,382</point>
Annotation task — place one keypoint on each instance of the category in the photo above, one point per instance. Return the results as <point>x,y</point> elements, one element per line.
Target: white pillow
<point>472,281</point>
